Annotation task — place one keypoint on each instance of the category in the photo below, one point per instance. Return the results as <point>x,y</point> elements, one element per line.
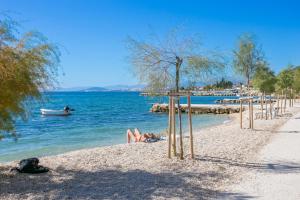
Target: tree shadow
<point>280,167</point>
<point>112,184</point>
<point>286,131</point>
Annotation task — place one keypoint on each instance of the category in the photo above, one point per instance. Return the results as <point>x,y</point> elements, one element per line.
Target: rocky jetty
<point>198,109</point>
<point>235,101</point>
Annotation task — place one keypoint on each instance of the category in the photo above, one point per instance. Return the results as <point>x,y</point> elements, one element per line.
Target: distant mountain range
<point>102,89</point>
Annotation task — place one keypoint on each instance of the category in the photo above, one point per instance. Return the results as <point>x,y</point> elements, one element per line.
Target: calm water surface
<point>99,119</point>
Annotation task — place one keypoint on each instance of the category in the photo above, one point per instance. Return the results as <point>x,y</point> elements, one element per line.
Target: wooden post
<point>190,127</point>
<point>284,101</point>
<point>266,103</point>
<point>281,102</point>
<point>278,99</point>
<point>170,127</point>
<point>271,106</point>
<point>292,98</point>
<point>180,130</point>
<point>241,113</point>
<point>249,105</point>
<point>252,120</point>
<point>174,126</point>
<point>261,106</point>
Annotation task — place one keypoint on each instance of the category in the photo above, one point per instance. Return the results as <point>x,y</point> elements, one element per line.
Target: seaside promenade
<point>280,179</point>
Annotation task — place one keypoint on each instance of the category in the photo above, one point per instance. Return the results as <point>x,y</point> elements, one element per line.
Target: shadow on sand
<point>280,167</point>
<point>111,184</point>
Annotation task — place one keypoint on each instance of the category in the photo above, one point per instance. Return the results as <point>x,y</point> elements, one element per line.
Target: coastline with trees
<point>205,161</point>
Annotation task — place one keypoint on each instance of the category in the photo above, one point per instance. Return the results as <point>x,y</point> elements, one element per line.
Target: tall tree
<point>28,64</point>
<point>285,78</point>
<point>264,79</point>
<point>247,57</point>
<point>166,64</point>
<point>296,85</point>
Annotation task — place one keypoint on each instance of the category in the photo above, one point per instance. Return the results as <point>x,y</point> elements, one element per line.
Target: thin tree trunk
<point>174,126</point>
<point>241,113</point>
<point>191,128</point>
<point>285,100</point>
<point>249,108</point>
<point>290,98</point>
<point>178,65</point>
<point>277,111</point>
<point>266,103</point>
<point>180,130</point>
<point>261,106</point>
<point>281,102</point>
<point>271,107</point>
<point>170,127</point>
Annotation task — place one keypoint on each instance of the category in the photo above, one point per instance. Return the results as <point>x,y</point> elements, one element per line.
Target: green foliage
<point>27,66</point>
<point>264,79</point>
<point>285,78</point>
<point>165,64</point>
<point>219,85</point>
<point>247,57</point>
<point>296,85</point>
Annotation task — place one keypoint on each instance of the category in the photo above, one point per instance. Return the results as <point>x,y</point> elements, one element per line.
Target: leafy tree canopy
<point>247,56</point>
<point>222,84</point>
<point>163,64</point>
<point>264,78</point>
<point>296,85</point>
<point>285,78</point>
<point>28,64</point>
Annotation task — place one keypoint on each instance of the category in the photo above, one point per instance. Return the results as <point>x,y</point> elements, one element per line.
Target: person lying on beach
<point>138,137</point>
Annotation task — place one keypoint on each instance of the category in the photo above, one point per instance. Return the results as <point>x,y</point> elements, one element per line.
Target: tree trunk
<point>266,103</point>
<point>190,128</point>
<point>170,127</point>
<point>285,100</point>
<point>178,65</point>
<point>281,102</point>
<point>241,113</point>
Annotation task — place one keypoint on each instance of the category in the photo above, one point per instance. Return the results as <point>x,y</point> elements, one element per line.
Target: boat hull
<point>48,112</point>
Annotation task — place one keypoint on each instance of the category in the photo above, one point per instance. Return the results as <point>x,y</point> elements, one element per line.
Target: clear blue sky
<point>94,32</point>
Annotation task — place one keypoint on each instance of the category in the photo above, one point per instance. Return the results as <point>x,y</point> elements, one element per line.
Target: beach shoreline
<point>230,118</point>
<point>141,170</point>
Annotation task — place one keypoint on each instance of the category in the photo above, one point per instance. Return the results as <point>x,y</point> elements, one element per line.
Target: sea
<point>99,119</point>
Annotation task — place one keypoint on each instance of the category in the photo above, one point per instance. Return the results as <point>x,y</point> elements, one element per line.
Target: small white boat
<point>49,112</point>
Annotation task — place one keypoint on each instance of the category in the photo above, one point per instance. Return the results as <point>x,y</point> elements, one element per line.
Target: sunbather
<point>138,137</point>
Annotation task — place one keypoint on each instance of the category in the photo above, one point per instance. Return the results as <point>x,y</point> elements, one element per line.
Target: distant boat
<point>48,112</point>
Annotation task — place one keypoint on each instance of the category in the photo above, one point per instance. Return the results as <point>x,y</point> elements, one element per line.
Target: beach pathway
<point>279,174</point>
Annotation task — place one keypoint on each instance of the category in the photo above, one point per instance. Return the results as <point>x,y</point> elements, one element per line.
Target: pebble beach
<point>223,154</point>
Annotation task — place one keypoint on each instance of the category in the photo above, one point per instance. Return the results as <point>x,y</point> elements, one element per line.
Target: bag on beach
<point>30,165</point>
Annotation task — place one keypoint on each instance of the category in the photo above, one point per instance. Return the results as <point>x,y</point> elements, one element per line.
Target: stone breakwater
<point>234,101</point>
<point>198,109</point>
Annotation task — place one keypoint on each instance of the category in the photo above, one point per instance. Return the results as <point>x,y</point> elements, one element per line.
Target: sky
<point>92,34</point>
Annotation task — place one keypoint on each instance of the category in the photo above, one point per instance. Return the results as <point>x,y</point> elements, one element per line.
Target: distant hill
<point>94,89</point>
<point>102,89</point>
<point>125,87</point>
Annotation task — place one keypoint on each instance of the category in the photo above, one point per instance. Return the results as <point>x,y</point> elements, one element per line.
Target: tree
<point>28,64</point>
<point>247,57</point>
<point>165,65</point>
<point>296,85</point>
<point>264,79</point>
<point>285,78</point>
<point>223,84</point>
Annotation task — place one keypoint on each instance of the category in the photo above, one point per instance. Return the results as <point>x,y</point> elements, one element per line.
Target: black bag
<point>31,165</point>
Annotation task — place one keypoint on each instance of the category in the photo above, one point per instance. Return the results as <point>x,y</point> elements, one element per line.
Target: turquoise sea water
<point>99,119</point>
